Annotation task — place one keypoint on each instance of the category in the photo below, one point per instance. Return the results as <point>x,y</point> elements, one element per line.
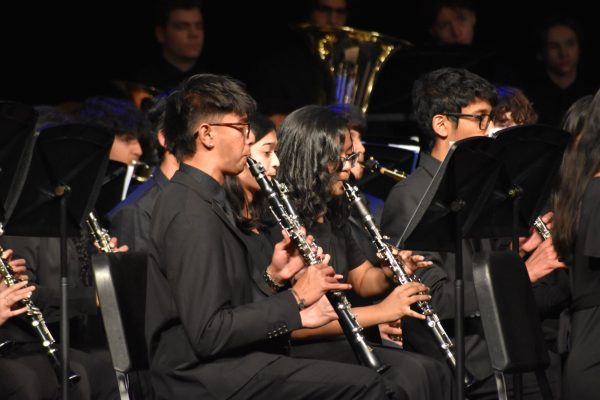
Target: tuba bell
<point>353,58</point>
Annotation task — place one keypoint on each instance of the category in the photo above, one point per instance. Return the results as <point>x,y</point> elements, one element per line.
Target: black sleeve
<point>199,269</point>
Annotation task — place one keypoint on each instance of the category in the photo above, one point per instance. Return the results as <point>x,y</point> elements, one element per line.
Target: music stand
<point>484,188</point>
<point>17,138</point>
<point>68,161</point>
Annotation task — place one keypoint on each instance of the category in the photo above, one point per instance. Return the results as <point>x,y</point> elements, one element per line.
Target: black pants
<point>420,377</point>
<point>32,377</point>
<point>290,379</point>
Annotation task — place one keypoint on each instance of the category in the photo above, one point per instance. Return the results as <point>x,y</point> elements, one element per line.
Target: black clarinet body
<point>38,323</point>
<point>288,220</point>
<point>432,319</point>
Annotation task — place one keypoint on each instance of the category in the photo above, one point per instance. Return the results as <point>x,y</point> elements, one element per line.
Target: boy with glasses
<point>449,104</point>
<point>208,337</point>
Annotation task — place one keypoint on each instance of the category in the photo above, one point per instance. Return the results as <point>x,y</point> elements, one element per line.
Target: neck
<point>440,149</point>
<point>206,164</point>
<point>182,64</point>
<point>563,81</point>
<point>248,197</point>
<point>169,165</point>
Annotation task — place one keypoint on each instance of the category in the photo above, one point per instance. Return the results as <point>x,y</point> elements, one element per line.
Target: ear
<point>161,139</point>
<point>440,125</point>
<point>205,136</point>
<point>159,32</point>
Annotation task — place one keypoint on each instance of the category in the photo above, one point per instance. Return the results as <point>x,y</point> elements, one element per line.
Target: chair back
<point>509,315</point>
<point>121,285</point>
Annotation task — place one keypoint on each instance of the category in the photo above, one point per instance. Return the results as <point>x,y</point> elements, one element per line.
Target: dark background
<point>70,58</point>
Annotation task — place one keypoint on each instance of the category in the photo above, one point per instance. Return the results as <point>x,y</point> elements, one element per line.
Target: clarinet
<point>288,220</point>
<point>99,234</point>
<point>432,319</point>
<point>38,323</point>
<point>542,228</point>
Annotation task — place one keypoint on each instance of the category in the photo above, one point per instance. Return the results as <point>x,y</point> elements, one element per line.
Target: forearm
<point>371,282</point>
<point>366,316</point>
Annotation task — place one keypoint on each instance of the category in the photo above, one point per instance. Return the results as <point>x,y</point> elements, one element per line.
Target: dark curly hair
<point>311,138</point>
<point>120,116</point>
<point>447,90</point>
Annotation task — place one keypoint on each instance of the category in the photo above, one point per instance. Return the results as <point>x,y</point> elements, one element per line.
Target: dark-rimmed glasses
<point>241,127</point>
<point>484,119</point>
<point>351,158</point>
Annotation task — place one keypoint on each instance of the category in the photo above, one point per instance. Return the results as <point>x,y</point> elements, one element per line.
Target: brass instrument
<point>38,324</point>
<point>432,319</point>
<point>286,216</point>
<point>100,235</point>
<point>353,59</point>
<point>141,171</point>
<point>374,166</point>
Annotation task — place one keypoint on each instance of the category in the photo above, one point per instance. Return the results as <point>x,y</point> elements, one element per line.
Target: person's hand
<point>543,261</point>
<point>397,304</point>
<point>318,280</point>
<point>391,331</point>
<point>287,260</point>
<point>18,265</point>
<point>318,314</point>
<point>531,242</point>
<point>10,296</point>
<point>115,247</point>
<point>411,262</point>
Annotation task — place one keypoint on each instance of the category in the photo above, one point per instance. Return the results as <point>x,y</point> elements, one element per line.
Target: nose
<point>275,163</point>
<point>346,166</point>
<point>136,149</point>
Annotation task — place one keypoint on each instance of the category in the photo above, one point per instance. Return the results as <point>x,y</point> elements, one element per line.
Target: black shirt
<point>130,220</point>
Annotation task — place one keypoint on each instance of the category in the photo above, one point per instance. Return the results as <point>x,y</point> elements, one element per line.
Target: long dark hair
<point>580,164</point>
<point>311,139</point>
<point>260,126</point>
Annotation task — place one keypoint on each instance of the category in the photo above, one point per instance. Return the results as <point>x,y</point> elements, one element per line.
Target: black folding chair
<point>121,285</point>
<point>510,319</point>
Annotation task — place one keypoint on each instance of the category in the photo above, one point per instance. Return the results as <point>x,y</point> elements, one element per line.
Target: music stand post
<point>485,188</point>
<point>61,187</point>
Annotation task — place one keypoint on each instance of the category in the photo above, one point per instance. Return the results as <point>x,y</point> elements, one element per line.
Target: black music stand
<point>17,138</point>
<point>68,161</point>
<point>484,188</point>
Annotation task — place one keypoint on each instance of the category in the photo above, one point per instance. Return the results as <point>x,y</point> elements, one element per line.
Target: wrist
<point>273,284</point>
<point>299,300</point>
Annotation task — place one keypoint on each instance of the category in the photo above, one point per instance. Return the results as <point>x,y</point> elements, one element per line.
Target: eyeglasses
<point>241,127</point>
<point>351,158</point>
<point>331,10</point>
<point>484,119</point>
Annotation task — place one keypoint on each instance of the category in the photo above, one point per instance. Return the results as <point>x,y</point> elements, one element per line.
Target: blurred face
<point>467,127</point>
<point>454,26</point>
<point>125,148</point>
<point>231,142</point>
<point>329,12</point>
<point>358,170</point>
<point>507,122</point>
<point>562,50</point>
<point>262,151</point>
<point>183,36</point>
<point>341,170</point>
